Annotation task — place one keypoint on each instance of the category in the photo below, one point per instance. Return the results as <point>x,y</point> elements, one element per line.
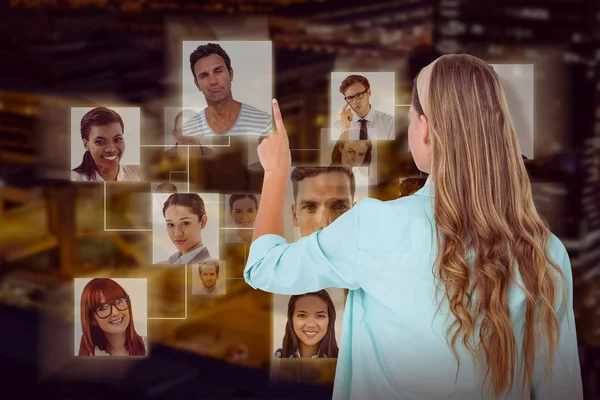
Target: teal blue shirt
<point>393,345</point>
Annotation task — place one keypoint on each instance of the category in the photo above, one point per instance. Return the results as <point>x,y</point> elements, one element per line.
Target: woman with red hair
<point>107,321</point>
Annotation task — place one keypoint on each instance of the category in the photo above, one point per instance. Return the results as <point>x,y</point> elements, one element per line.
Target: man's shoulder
<point>196,125</point>
<point>194,120</point>
<point>255,112</point>
<point>384,116</point>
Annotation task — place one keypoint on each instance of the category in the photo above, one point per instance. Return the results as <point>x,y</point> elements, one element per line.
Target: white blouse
<point>126,173</point>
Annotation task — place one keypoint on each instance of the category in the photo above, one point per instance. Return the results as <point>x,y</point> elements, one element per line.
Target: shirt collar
<point>427,189</point>
<point>186,258</point>
<point>297,354</point>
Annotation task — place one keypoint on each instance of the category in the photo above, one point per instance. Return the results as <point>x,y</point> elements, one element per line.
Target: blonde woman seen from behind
<point>458,291</point>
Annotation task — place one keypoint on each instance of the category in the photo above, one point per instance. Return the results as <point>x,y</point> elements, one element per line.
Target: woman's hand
<point>274,151</point>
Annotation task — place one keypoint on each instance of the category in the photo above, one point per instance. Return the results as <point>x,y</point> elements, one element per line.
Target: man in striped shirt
<point>211,67</point>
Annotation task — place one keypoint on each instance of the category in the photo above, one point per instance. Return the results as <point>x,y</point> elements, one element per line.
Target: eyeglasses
<point>357,96</point>
<point>104,310</point>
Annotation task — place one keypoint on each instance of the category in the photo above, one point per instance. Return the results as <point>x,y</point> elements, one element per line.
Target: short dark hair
<point>300,173</point>
<point>181,113</point>
<point>235,197</point>
<point>166,187</point>
<point>191,200</point>
<point>351,80</point>
<point>206,50</point>
<point>215,263</point>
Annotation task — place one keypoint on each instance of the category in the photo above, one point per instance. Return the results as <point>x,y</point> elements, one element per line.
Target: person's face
<point>180,138</point>
<point>244,212</point>
<point>361,106</point>
<point>310,320</point>
<point>212,78</point>
<point>106,145</point>
<point>117,321</point>
<point>178,130</point>
<point>320,200</point>
<point>239,357</point>
<point>418,140</point>
<point>353,153</point>
<point>209,276</point>
<point>183,227</point>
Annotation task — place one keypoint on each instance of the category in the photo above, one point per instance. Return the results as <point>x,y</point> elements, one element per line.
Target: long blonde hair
<point>484,207</point>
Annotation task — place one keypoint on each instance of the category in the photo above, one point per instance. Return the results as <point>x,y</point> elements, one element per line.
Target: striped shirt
<point>250,122</point>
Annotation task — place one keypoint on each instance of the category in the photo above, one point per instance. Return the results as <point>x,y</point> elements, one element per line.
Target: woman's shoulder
<point>391,225</point>
<point>174,257</point>
<point>558,253</point>
<point>131,172</point>
<point>79,177</point>
<point>278,353</point>
<point>377,211</point>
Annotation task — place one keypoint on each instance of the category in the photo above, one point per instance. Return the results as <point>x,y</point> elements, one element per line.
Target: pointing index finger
<point>278,118</point>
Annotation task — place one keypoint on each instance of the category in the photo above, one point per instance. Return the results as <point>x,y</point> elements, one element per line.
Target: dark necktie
<point>363,129</point>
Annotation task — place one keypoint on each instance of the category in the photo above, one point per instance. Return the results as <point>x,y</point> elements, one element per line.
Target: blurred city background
<point>58,54</point>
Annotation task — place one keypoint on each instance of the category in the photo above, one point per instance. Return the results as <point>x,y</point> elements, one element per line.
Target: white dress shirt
<point>380,126</point>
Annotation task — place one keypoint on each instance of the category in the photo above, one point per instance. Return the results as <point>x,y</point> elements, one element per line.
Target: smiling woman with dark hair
<point>102,132</point>
<point>310,327</point>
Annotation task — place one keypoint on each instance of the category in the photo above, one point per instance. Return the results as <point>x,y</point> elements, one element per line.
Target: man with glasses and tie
<point>358,119</point>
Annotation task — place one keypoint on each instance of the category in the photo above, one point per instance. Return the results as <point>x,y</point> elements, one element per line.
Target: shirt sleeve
<point>564,381</point>
<point>325,259</point>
